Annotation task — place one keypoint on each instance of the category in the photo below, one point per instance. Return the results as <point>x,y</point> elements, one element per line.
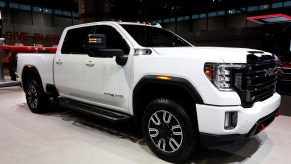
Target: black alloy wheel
<point>169,131</point>
<point>35,97</point>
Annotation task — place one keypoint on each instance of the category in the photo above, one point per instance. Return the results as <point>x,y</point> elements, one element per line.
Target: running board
<point>94,110</point>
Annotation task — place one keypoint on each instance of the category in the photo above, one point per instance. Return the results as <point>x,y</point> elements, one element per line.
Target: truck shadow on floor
<point>237,152</point>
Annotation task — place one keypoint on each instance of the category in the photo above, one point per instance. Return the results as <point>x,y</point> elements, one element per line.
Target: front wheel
<point>169,131</point>
<point>35,97</point>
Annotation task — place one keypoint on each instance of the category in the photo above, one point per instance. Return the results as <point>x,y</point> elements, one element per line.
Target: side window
<point>76,40</point>
<point>113,38</point>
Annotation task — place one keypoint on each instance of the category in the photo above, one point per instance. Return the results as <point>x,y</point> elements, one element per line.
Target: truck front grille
<point>258,79</point>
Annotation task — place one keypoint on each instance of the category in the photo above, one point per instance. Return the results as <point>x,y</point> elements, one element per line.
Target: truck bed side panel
<point>42,62</point>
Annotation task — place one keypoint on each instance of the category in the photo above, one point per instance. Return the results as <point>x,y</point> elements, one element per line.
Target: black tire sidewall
<point>41,106</point>
<point>189,142</point>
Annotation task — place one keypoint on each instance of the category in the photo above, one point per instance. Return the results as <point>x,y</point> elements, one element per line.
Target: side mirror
<point>97,41</point>
<point>97,47</point>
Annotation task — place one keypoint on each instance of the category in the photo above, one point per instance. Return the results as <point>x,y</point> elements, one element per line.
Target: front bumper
<point>211,118</point>
<point>214,140</point>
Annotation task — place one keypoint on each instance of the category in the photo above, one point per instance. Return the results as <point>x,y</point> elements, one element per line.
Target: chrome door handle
<point>90,63</point>
<point>59,62</point>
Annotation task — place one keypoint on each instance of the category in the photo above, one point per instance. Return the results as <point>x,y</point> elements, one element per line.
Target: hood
<point>218,54</point>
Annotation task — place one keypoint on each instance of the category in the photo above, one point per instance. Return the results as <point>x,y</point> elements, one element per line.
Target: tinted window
<point>76,39</point>
<point>154,37</point>
<point>113,38</point>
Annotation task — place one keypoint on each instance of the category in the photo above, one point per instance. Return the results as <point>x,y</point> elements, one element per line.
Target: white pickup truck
<point>180,95</point>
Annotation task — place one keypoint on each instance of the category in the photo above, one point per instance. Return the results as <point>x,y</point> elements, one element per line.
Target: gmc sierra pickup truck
<point>181,95</point>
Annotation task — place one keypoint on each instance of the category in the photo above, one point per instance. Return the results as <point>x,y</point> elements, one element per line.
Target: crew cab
<point>180,95</point>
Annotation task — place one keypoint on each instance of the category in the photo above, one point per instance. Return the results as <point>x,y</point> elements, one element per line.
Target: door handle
<point>59,62</point>
<point>90,63</point>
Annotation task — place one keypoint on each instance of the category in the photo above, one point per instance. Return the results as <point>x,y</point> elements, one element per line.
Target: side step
<point>94,110</point>
<point>8,83</point>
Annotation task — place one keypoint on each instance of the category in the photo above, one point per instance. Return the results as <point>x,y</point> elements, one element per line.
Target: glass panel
<point>203,15</point>
<point>58,12</point>
<point>212,14</point>
<point>48,11</point>
<point>264,7</point>
<point>287,3</point>
<point>172,19</point>
<point>186,18</point>
<point>277,5</point>
<point>220,13</point>
<point>231,12</point>
<point>2,4</point>
<point>252,8</point>
<point>37,9</point>
<point>14,5</point>
<point>179,19</point>
<point>25,7</point>
<point>166,20</point>
<point>67,13</point>
<point>196,16</point>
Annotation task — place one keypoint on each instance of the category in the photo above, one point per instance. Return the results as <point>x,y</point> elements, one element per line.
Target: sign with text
<point>37,37</point>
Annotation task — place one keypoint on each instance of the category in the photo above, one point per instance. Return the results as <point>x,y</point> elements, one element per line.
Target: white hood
<point>228,55</point>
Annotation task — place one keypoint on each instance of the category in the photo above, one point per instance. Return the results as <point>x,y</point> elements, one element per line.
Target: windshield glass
<point>148,36</point>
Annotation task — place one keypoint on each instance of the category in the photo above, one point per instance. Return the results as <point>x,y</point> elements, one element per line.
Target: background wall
<point>29,28</point>
<point>229,30</point>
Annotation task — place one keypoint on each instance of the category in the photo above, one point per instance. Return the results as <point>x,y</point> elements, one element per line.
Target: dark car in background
<point>284,78</point>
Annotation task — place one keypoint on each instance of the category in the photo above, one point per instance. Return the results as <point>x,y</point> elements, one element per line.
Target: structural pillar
<point>94,10</point>
<point>1,54</point>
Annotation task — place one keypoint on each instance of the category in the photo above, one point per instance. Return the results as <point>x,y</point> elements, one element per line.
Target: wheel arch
<point>176,89</point>
<point>30,72</point>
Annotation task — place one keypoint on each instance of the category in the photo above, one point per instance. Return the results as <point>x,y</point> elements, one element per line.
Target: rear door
<point>69,63</point>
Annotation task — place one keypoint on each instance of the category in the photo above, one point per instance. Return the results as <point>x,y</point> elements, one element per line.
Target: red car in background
<point>284,78</point>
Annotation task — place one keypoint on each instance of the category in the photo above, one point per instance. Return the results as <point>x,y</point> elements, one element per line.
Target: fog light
<point>230,121</point>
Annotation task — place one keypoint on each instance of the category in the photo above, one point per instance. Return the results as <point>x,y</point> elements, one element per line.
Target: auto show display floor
<point>67,137</point>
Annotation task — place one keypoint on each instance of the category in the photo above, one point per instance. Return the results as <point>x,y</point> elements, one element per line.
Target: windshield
<point>148,36</point>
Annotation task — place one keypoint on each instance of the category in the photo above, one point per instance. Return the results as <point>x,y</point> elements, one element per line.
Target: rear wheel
<point>35,97</point>
<point>169,131</point>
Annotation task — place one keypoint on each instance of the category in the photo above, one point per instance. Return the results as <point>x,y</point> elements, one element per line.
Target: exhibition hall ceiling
<point>152,9</point>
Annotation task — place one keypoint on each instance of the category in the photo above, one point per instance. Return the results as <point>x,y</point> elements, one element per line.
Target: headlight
<point>221,74</point>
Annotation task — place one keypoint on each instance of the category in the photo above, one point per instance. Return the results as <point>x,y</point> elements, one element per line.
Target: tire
<point>35,97</point>
<point>173,139</point>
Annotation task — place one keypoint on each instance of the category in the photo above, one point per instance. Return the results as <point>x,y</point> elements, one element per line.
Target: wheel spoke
<point>29,99</point>
<point>153,132</point>
<point>165,131</point>
<point>176,127</point>
<point>177,130</point>
<point>177,133</point>
<point>155,119</point>
<point>176,144</point>
<point>34,91</point>
<point>167,117</point>
<point>162,144</point>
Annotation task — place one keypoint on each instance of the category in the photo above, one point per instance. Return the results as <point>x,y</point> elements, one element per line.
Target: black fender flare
<point>174,81</point>
<point>30,68</point>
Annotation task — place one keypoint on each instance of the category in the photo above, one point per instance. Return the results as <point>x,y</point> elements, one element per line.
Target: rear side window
<point>75,41</point>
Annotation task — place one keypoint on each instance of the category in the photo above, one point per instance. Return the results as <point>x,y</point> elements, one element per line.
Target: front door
<point>106,83</point>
